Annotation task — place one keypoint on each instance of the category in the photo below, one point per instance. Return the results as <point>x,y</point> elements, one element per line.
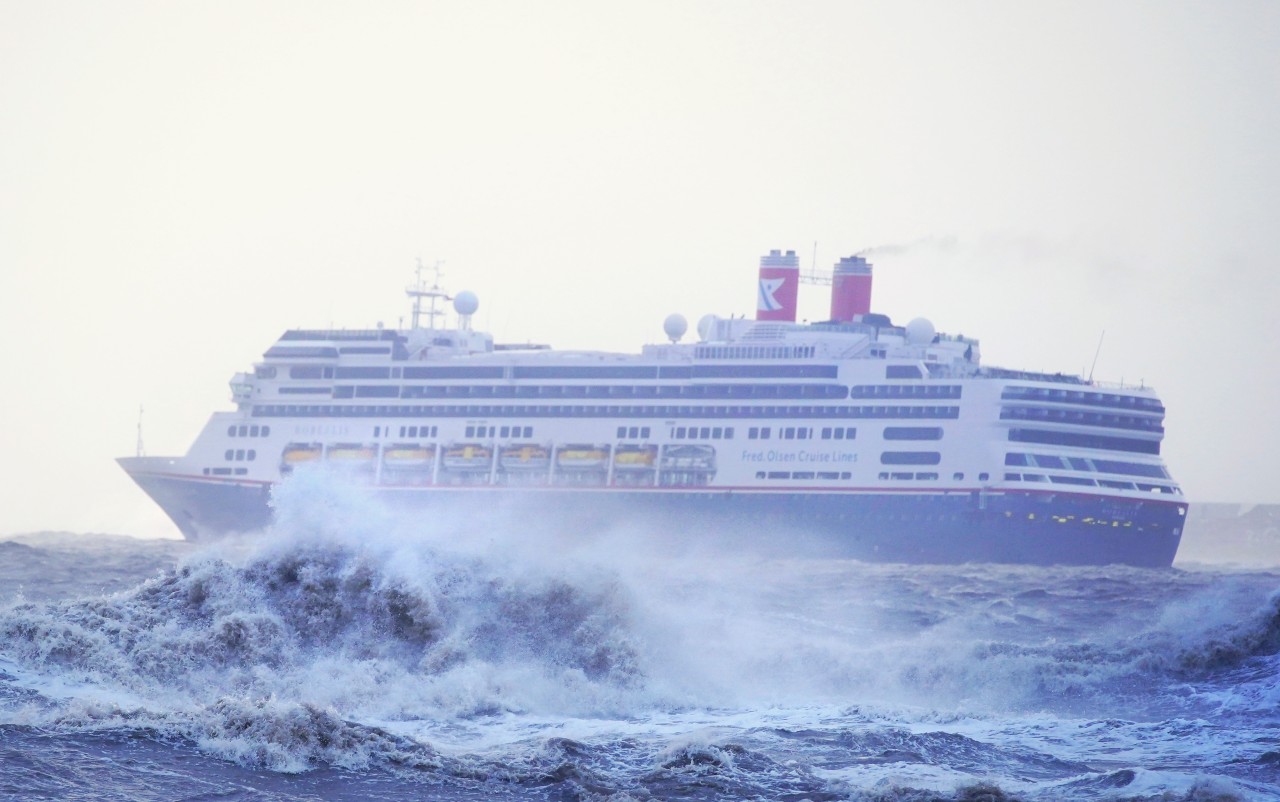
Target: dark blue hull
<point>1033,528</point>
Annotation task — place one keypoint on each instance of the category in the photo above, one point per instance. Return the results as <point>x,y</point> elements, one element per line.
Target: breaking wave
<point>629,664</point>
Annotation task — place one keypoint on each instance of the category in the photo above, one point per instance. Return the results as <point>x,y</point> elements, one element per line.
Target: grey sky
<point>180,182</point>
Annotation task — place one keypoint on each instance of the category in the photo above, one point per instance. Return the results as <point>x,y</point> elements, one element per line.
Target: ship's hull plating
<point>1035,528</point>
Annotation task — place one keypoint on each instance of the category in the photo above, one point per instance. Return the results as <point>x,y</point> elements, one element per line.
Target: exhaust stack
<point>850,289</point>
<point>779,283</point>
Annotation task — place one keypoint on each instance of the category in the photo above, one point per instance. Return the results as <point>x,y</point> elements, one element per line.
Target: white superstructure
<point>855,419</point>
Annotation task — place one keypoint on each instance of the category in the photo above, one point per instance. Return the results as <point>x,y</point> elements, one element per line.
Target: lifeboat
<point>582,458</point>
<point>408,457</point>
<point>635,458</point>
<point>527,457</point>
<point>296,454</point>
<point>468,457</point>
<point>351,453</point>
<point>689,458</point>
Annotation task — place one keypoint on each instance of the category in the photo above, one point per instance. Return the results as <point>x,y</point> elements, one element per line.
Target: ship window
<point>910,458</point>
<point>1012,477</point>
<point>902,372</point>
<point>826,432</point>
<point>728,432</point>
<point>266,431</point>
<point>362,373</point>
<point>789,433</point>
<point>528,431</point>
<point>753,432</point>
<point>230,454</point>
<point>1116,485</point>
<point>884,475</point>
<point>470,432</point>
<point>930,476</point>
<point>1079,464</point>
<point>253,431</point>
<point>901,476</point>
<point>765,432</point>
<point>1016,459</point>
<point>231,431</point>
<point>1131,468</point>
<point>802,475</point>
<point>705,433</point>
<point>982,477</point>
<point>680,430</point>
<point>264,372</point>
<point>957,476</point>
<point>1070,480</point>
<point>252,455</point>
<point>779,474</point>
<point>239,454</point>
<point>1085,441</point>
<point>913,433</point>
<point>622,432</point>
<point>1049,461</point>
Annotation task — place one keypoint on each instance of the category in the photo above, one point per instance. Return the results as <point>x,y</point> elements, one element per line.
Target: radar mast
<point>419,290</point>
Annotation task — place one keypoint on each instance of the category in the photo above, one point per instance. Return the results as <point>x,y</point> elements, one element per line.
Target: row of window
<point>1073,416</point>
<point>696,433</point>
<point>1081,481</point>
<point>492,431</point>
<point>305,391</point>
<point>345,335</point>
<point>425,431</point>
<point>640,432</point>
<point>803,475</point>
<point>240,455</point>
<point>225,471</point>
<point>832,391</point>
<point>904,475</point>
<point>754,351</point>
<point>253,430</point>
<point>1064,396</point>
<point>886,391</point>
<point>1075,440</point>
<point>600,411</point>
<point>1086,464</point>
<point>905,391</point>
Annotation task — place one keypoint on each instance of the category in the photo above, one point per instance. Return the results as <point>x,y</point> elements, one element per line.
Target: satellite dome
<point>675,326</point>
<point>920,331</point>
<point>707,326</point>
<point>466,303</point>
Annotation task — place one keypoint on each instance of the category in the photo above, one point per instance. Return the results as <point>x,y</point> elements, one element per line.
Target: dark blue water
<point>350,655</point>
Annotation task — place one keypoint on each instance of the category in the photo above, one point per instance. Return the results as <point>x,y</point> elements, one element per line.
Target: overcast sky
<point>180,182</point>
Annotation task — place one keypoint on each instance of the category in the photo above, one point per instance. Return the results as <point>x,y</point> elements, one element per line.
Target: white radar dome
<point>466,303</point>
<point>920,331</point>
<point>675,326</point>
<point>707,326</point>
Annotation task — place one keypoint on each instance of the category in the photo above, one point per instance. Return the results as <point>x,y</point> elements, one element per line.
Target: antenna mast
<point>419,291</point>
<point>1095,356</point>
<point>141,451</point>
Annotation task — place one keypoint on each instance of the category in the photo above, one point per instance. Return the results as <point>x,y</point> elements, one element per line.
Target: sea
<point>350,652</point>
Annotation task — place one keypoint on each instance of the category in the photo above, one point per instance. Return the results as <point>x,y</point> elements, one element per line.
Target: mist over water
<point>356,652</point>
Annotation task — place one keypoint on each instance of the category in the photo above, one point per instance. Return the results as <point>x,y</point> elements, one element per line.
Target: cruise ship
<point>874,441</point>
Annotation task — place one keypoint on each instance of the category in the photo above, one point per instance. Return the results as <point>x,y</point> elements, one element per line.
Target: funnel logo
<point>768,301</point>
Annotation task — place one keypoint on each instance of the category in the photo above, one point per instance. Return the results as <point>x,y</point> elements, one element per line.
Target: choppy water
<point>348,654</point>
